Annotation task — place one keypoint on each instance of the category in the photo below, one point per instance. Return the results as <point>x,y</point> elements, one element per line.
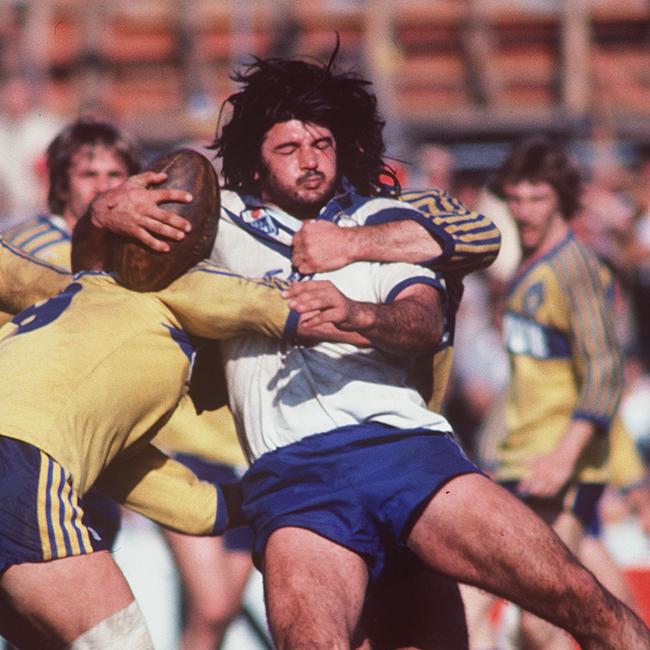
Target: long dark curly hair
<point>277,90</point>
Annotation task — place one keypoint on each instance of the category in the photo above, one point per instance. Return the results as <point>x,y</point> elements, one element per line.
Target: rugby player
<point>348,465</point>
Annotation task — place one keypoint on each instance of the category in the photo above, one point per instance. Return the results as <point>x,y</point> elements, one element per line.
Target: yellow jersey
<point>564,357</point>
<point>95,371</point>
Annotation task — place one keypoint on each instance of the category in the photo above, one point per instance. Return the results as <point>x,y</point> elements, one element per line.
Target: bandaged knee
<point>124,629</point>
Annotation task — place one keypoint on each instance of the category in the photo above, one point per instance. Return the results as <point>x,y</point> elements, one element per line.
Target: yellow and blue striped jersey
<point>25,280</point>
<point>46,237</point>
<point>564,357</point>
<point>470,242</point>
<point>469,239</point>
<point>94,372</point>
<point>210,434</point>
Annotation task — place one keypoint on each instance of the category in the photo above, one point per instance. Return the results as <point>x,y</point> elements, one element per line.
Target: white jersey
<point>279,392</point>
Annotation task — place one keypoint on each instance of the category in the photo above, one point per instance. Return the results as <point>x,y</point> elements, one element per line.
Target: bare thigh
<point>314,591</point>
<point>63,598</point>
<point>478,533</point>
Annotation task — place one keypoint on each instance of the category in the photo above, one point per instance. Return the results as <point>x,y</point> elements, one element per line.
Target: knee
<point>217,612</point>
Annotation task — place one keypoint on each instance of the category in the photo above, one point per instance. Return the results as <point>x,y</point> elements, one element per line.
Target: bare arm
<point>323,246</point>
<point>132,210</point>
<point>412,324</point>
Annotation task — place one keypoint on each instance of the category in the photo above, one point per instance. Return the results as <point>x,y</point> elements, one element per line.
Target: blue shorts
<point>40,515</point>
<point>579,498</point>
<point>235,539</point>
<point>361,486</point>
<point>102,514</point>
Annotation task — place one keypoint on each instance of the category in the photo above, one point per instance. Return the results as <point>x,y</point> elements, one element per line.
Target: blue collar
<point>345,201</point>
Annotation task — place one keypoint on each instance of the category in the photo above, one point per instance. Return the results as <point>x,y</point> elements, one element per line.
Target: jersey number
<point>44,313</point>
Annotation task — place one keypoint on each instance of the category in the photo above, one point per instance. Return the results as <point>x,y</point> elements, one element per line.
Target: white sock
<point>124,629</point>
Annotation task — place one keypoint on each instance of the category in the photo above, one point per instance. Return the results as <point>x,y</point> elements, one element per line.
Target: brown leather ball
<point>141,269</point>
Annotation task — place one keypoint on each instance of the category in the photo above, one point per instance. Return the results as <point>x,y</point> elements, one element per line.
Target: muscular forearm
<point>401,241</point>
<point>322,246</point>
<point>412,324</point>
<point>404,327</point>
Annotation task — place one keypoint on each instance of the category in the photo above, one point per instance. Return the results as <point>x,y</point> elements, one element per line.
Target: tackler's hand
<point>322,246</point>
<point>320,302</point>
<point>132,209</point>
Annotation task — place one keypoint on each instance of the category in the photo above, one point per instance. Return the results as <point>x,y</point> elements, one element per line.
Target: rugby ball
<point>139,268</point>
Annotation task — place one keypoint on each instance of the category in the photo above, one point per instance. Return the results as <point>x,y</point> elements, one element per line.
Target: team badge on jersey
<point>533,298</point>
<point>265,224</point>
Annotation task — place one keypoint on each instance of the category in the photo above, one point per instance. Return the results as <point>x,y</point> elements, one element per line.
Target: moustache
<point>311,174</point>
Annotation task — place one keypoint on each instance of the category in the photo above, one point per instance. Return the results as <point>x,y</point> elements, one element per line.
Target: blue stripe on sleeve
<point>291,326</point>
<point>601,422</point>
<point>26,256</point>
<point>418,279</point>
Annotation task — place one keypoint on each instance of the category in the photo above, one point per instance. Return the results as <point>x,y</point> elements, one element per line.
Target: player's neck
<point>557,231</point>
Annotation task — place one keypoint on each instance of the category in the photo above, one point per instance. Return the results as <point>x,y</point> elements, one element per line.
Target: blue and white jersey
<point>281,393</point>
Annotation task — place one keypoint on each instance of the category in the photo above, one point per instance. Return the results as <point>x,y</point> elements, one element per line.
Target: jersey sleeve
<point>165,491</point>
<point>599,362</point>
<point>214,303</point>
<point>391,279</point>
<point>470,241</point>
<point>25,280</point>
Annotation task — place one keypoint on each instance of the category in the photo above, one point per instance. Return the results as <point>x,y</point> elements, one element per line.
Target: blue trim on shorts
<point>584,506</point>
<point>361,486</point>
<point>235,539</point>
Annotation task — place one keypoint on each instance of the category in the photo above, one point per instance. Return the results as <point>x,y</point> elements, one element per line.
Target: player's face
<point>93,169</point>
<point>299,161</point>
<point>536,210</point>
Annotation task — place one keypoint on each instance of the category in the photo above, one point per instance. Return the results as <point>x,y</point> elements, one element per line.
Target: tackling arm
<point>213,303</point>
<point>431,228</point>
<point>166,492</point>
<point>411,324</point>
